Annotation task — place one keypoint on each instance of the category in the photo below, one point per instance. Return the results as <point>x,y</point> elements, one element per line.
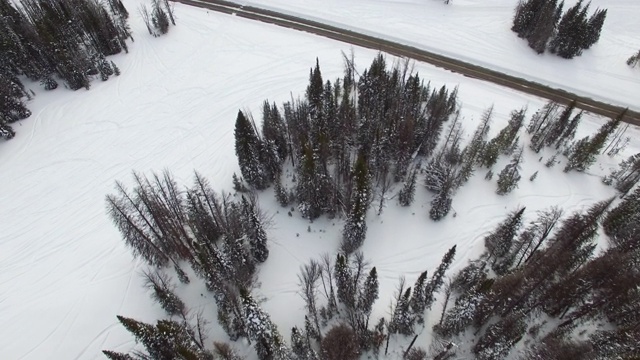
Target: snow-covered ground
<point>478,31</point>
<point>64,270</point>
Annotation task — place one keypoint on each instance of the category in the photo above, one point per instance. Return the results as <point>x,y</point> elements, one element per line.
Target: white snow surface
<point>478,31</point>
<point>65,273</point>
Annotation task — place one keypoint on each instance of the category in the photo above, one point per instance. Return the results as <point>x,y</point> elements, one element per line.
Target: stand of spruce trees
<point>49,41</point>
<point>346,142</point>
<point>543,25</point>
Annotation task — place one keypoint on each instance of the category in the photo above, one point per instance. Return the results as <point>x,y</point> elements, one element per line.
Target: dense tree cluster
<point>350,289</point>
<point>543,25</point>
<point>558,275</point>
<point>66,40</point>
<point>344,144</point>
<point>223,240</point>
<point>346,140</point>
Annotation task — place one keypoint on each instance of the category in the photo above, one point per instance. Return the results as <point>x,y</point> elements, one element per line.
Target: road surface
<point>451,64</point>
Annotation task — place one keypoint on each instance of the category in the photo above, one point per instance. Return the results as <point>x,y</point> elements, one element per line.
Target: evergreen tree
<point>402,320</point>
<point>248,147</point>
<point>159,17</point>
<point>621,224</point>
<point>368,296</point>
<point>112,355</point>
<point>256,233</point>
<point>116,69</point>
<point>440,205</point>
<point>499,338</point>
<point>355,227</point>
<point>167,340</point>
<point>499,241</point>
<point>583,153</point>
<point>281,193</point>
<point>300,345</point>
<point>262,331</point>
<point>163,293</point>
<point>471,154</point>
<point>344,283</point>
<point>545,26</point>
<point>417,303</point>
<point>594,28</point>
<point>634,59</point>
<point>407,193</point>
<point>437,279</point>
<point>510,176</point>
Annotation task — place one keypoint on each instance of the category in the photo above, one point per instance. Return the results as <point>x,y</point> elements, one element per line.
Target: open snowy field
<point>479,32</point>
<point>64,270</point>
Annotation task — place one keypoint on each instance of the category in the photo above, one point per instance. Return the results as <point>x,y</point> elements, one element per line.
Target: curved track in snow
<point>529,87</point>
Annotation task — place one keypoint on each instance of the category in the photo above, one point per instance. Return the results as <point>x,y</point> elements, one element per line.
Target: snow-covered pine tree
<point>437,279</point>
<point>559,126</point>
<point>499,241</point>
<point>534,235</point>
<point>417,302</point>
<point>300,345</point>
<point>489,175</point>
<point>471,154</point>
<point>159,17</point>
<point>545,25</point>
<point>594,28</point>
<point>406,194</point>
<point>569,131</point>
<point>112,355</point>
<point>634,59</point>
<point>510,176</point>
<point>499,338</point>
<point>369,294</point>
<point>628,174</point>
<point>255,231</point>
<point>621,224</point>
<point>346,290</point>
<point>248,146</point>
<point>274,132</point>
<point>440,205</point>
<point>163,292</point>
<point>355,227</point>
<point>262,331</point>
<point>402,320</point>
<point>167,340</point>
<point>583,153</point>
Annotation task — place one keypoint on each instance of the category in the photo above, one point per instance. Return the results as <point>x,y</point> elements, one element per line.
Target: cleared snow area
<point>64,270</point>
<point>478,31</point>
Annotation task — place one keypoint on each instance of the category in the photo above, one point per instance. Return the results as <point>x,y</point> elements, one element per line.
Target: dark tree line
<point>48,41</point>
<point>545,27</point>
<point>538,271</point>
<point>347,141</point>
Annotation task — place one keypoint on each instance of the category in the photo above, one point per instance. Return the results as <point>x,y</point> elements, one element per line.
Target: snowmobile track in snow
<point>467,69</point>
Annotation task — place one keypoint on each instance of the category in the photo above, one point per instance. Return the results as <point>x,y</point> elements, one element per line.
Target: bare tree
<point>308,279</point>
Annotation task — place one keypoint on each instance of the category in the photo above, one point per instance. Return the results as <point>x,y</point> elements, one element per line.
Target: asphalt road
<point>455,65</point>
